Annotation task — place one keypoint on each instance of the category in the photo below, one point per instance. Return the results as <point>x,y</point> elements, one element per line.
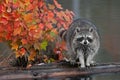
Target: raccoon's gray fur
<point>82,41</point>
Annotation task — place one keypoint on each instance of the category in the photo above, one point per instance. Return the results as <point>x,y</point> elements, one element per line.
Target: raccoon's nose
<point>85,43</point>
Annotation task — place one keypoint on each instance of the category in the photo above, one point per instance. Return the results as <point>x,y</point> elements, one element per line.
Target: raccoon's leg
<point>80,55</point>
<point>89,60</point>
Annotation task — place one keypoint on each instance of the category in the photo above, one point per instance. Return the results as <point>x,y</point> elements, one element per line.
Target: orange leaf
<point>24,41</point>
<point>17,31</point>
<point>51,6</point>
<point>49,26</point>
<point>32,55</point>
<point>30,7</point>
<point>14,46</point>
<point>28,17</point>
<point>6,1</point>
<point>57,4</point>
<point>21,52</point>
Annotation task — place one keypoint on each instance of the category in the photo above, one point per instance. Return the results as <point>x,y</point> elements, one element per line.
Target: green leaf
<point>44,45</point>
<point>33,22</point>
<point>52,34</point>
<point>14,1</point>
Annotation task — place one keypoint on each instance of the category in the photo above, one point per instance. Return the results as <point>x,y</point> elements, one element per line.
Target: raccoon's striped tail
<point>62,32</point>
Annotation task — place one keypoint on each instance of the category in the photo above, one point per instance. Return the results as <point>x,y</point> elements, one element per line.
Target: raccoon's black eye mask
<point>80,39</point>
<point>89,39</point>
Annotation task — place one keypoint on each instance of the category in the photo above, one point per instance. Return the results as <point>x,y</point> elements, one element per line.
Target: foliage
<point>31,24</point>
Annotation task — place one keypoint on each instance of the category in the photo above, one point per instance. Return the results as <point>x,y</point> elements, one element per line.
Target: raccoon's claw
<point>92,63</point>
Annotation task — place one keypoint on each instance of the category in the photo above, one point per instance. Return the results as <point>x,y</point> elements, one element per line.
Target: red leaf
<point>0,8</point>
<point>50,14</point>
<point>8,36</point>
<point>3,20</point>
<point>24,41</point>
<point>41,3</point>
<point>9,28</point>
<point>31,1</point>
<point>41,26</point>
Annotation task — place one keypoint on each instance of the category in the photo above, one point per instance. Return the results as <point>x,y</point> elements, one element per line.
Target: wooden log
<point>57,70</point>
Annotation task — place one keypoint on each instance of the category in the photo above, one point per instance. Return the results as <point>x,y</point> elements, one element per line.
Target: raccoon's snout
<point>85,43</point>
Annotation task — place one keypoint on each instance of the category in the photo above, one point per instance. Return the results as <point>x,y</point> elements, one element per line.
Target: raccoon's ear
<point>91,29</point>
<point>77,29</point>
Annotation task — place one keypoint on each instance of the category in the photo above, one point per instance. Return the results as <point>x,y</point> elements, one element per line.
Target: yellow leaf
<point>14,46</point>
<point>7,1</point>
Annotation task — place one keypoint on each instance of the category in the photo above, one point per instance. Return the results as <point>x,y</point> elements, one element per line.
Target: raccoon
<point>82,40</point>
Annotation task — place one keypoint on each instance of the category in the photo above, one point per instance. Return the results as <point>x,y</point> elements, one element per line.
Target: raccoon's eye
<point>80,39</point>
<point>89,39</point>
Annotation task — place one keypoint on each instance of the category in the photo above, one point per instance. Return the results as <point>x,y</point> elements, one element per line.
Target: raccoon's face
<point>84,37</point>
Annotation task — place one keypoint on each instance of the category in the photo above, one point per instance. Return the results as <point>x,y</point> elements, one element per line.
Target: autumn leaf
<point>14,1</point>
<point>50,14</point>
<point>40,3</point>
<point>8,36</point>
<point>24,41</point>
<point>41,26</point>
<point>49,25</point>
<point>6,1</point>
<point>51,6</point>
<point>14,46</point>
<point>28,17</point>
<point>21,52</point>
<point>30,7</point>
<point>1,29</point>
<point>37,46</point>
<point>17,31</point>
<point>44,45</point>
<point>3,20</point>
<point>57,4</point>
<point>52,34</point>
<point>32,55</point>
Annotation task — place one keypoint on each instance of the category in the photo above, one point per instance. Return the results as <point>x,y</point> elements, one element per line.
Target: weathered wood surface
<point>56,70</point>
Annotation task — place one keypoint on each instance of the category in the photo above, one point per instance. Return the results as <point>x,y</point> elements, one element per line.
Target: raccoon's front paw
<point>92,63</point>
<point>82,66</point>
